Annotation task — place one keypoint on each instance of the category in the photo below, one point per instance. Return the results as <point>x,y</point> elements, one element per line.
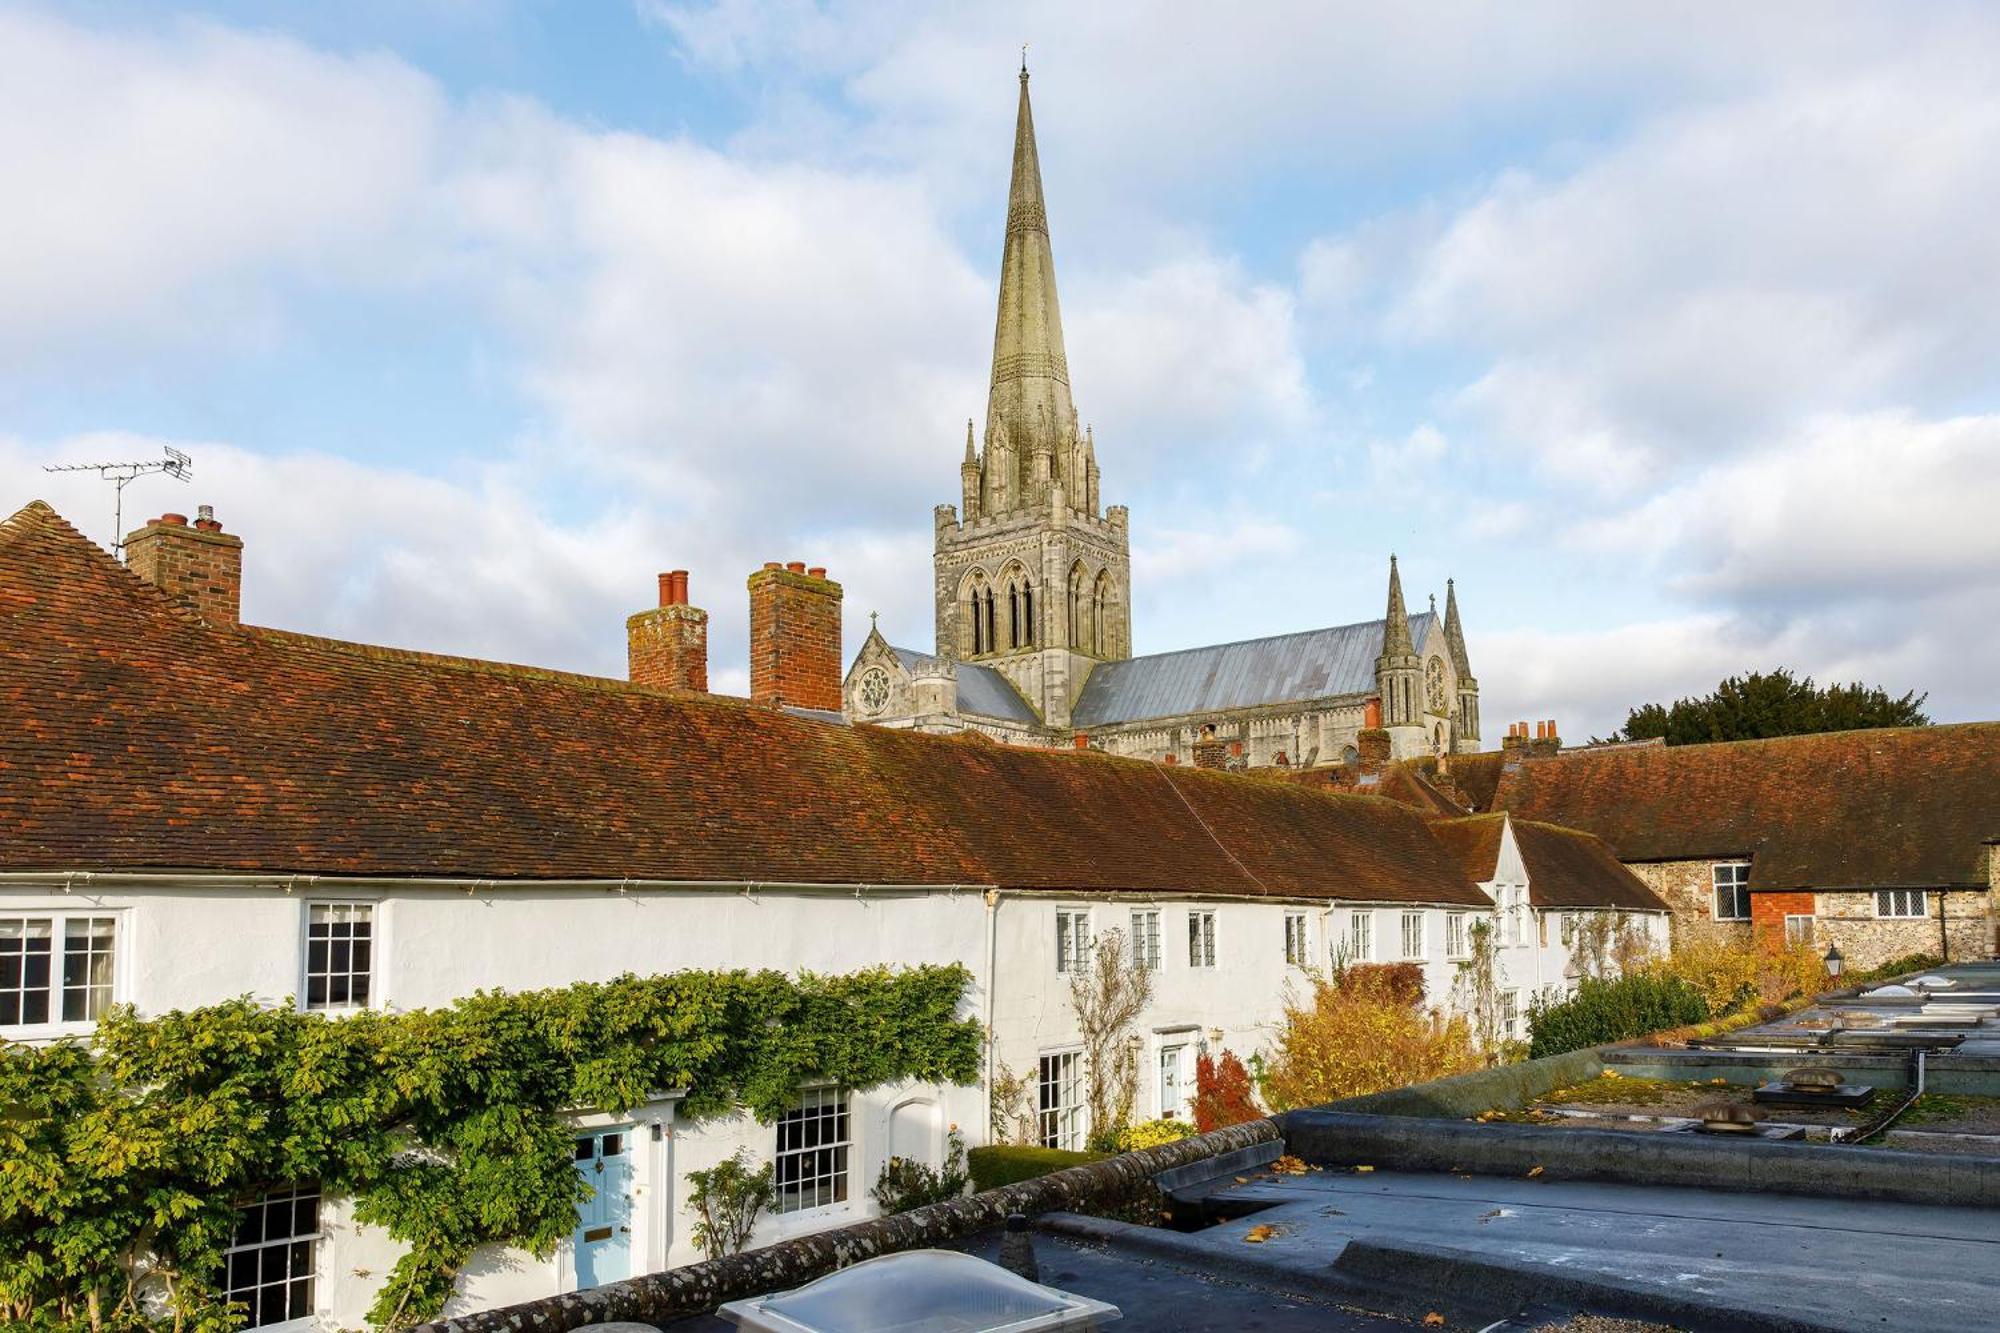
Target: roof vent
<point>940,1289</point>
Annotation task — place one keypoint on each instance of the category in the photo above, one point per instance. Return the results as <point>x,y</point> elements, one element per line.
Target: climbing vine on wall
<point>123,1159</point>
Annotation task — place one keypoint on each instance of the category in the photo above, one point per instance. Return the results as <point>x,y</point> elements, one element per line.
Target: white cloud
<point>1199,367</point>
<point>156,183</point>
<point>1819,246</point>
<point>1884,505</point>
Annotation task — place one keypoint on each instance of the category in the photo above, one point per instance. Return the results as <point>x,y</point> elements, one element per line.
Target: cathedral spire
<point>1030,388</point>
<point>1396,628</point>
<point>1454,632</point>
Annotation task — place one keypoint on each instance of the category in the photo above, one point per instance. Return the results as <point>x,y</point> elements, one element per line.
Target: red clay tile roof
<point>1566,868</point>
<point>1856,809</point>
<point>1570,868</point>
<point>133,736</point>
<point>1473,841</point>
<point>1477,776</point>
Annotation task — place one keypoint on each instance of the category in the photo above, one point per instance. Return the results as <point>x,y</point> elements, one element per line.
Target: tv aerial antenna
<point>176,465</point>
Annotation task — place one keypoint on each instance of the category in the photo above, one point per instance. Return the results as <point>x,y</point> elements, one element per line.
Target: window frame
<point>1146,955</point>
<point>1201,938</point>
<point>1917,901</point>
<point>1422,923</point>
<point>1061,1124</point>
<point>1073,940</point>
<point>290,1195</point>
<point>1360,936</point>
<point>1511,1014</point>
<point>1738,886</point>
<point>837,1182</point>
<point>57,986</point>
<point>1807,936</point>
<point>1457,936</point>
<point>374,997</point>
<point>1298,940</point>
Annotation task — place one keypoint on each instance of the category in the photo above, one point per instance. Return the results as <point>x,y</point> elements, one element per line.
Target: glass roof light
<point>939,1290</point>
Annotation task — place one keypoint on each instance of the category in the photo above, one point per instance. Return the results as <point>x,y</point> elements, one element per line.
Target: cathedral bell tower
<point>1033,578</point>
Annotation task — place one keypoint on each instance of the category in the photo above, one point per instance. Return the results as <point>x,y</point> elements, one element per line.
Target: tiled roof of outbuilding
<point>1908,807</point>
<point>133,736</point>
<point>1566,868</point>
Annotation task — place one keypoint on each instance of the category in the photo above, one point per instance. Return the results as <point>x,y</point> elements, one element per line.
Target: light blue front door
<point>603,1238</point>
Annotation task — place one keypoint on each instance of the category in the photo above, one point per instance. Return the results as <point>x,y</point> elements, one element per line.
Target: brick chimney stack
<point>795,637</point>
<point>667,647</point>
<point>200,563</point>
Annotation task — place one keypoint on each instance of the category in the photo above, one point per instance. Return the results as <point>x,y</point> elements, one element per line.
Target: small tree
<point>1108,995</point>
<point>727,1199</point>
<point>1361,1034</point>
<point>1222,1092</point>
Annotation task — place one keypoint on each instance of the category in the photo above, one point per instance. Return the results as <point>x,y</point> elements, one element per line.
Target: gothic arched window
<point>1099,617</point>
<point>1076,605</point>
<point>977,636</point>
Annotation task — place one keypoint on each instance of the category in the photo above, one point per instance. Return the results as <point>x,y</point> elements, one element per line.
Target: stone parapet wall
<point>698,1288</point>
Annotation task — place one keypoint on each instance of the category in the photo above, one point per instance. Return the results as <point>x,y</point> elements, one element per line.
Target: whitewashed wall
<point>186,945</point>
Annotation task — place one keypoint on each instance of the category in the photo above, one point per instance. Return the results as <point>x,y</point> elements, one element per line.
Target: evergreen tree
<point>1774,703</point>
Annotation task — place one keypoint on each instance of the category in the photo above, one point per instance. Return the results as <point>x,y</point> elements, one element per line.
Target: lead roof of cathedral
<point>982,691</point>
<point>1286,668</point>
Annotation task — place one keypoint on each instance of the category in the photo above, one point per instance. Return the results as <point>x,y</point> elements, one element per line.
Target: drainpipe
<point>992,976</point>
<point>1944,935</point>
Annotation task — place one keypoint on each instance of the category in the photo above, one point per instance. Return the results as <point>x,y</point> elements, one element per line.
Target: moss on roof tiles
<point>139,738</point>
<point>1856,809</point>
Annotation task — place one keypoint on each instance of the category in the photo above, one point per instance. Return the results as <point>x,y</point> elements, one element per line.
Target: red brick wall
<point>795,637</point>
<point>667,648</point>
<point>1769,910</point>
<point>202,565</point>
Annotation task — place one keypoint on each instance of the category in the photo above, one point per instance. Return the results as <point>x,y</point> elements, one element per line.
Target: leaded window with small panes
<point>1295,939</point>
<point>1146,940</point>
<point>1201,939</point>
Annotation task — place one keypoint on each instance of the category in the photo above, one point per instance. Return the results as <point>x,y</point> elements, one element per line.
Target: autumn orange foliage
<point>1222,1092</point>
<point>1363,1031</point>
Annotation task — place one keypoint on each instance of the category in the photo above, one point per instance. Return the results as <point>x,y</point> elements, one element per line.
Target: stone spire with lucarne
<point>1032,440</point>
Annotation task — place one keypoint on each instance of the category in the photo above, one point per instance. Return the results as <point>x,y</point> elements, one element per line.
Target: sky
<point>1670,332</point>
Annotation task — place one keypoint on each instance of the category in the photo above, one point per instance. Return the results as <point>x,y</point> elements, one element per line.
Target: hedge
<point>1009,1164</point>
<point>1614,1010</point>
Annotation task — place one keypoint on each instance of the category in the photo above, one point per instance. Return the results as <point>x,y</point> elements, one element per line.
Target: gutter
<point>71,881</point>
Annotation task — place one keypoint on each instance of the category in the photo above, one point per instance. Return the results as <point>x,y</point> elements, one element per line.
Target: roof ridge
<point>486,666</point>
<point>1931,728</point>
<point>1240,643</point>
<point>41,516</point>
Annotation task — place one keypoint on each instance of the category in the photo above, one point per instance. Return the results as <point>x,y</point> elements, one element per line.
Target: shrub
<point>726,1200</point>
<point>1895,967</point>
<point>1223,1095</point>
<point>1153,1133</point>
<point>1612,1010</point>
<point>1733,971</point>
<point>1009,1164</point>
<point>1362,1033</point>
<point>905,1184</point>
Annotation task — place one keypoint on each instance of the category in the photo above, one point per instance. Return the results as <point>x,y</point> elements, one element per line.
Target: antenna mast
<point>176,465</point>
